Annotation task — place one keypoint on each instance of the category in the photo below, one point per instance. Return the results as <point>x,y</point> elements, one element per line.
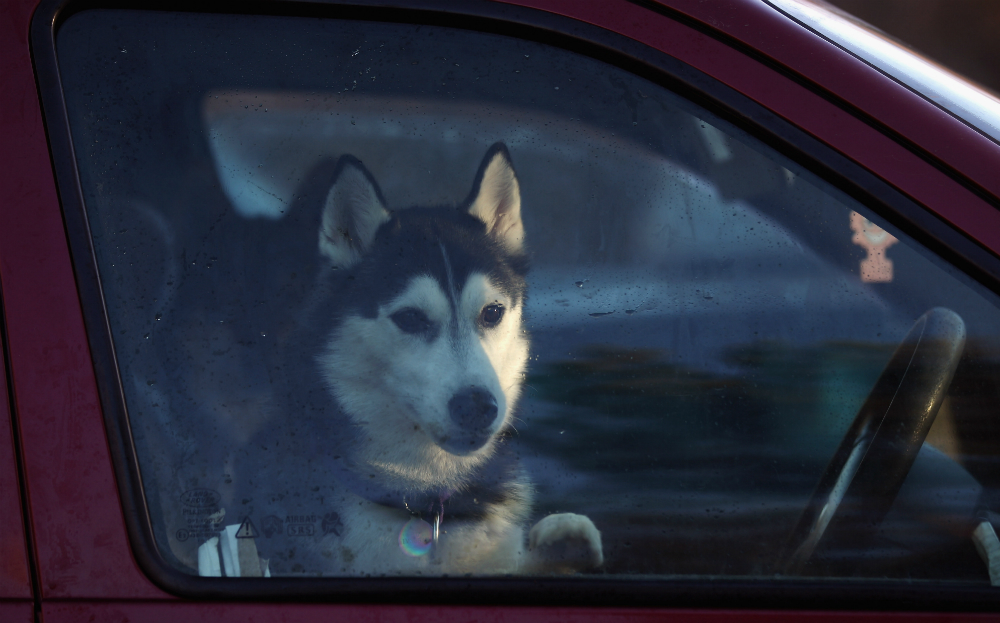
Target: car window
<point>413,300</point>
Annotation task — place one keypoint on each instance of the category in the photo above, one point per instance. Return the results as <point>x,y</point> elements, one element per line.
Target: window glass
<point>413,300</point>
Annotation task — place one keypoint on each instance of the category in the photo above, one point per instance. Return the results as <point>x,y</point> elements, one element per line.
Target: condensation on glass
<point>634,347</point>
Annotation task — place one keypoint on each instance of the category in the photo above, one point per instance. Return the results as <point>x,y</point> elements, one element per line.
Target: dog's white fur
<point>396,387</point>
<point>498,203</point>
<point>351,216</point>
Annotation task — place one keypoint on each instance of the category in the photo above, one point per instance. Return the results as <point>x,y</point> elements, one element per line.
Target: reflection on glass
<point>630,343</point>
<point>876,267</point>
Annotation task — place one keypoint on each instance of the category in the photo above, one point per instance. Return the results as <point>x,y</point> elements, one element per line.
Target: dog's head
<point>428,353</point>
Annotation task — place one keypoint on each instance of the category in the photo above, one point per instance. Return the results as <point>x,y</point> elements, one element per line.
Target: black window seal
<point>592,590</point>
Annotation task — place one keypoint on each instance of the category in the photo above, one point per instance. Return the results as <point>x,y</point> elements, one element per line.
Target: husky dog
<point>415,354</point>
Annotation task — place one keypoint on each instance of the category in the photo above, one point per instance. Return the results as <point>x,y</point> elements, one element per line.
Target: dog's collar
<point>488,484</point>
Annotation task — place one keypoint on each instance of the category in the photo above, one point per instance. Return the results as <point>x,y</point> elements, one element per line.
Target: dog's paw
<point>565,542</point>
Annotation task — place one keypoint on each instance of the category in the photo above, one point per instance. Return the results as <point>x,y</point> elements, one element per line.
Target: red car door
<point>16,600</point>
<point>93,554</point>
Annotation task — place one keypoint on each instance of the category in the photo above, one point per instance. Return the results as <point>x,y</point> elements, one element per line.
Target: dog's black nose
<point>473,409</point>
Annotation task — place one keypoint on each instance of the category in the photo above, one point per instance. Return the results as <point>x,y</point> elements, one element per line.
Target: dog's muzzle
<point>473,410</point>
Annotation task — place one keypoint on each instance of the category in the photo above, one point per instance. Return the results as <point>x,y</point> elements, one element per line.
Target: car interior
<point>740,366</point>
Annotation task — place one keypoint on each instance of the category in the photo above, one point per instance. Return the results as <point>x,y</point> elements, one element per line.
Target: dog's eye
<point>411,320</point>
<point>491,315</point>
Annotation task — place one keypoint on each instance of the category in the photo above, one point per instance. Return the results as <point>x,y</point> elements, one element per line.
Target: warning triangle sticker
<point>246,531</point>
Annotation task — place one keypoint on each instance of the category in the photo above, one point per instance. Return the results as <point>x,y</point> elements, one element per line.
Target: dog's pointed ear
<point>496,199</point>
<point>353,212</point>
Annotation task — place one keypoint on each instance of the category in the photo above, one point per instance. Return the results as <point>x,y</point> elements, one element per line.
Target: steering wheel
<point>862,480</point>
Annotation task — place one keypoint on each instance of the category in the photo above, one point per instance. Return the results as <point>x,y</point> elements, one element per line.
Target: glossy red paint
<point>76,518</point>
<point>276,613</point>
<point>17,612</point>
<point>15,583</point>
<point>84,564</point>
